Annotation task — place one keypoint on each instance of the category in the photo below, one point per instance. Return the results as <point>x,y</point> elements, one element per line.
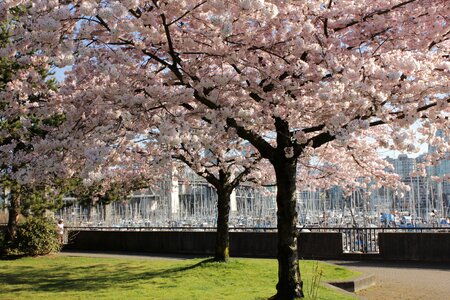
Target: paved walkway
<point>404,280</point>
<point>135,255</point>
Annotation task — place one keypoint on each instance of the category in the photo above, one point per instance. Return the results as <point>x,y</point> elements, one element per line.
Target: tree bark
<point>222,235</point>
<point>290,285</point>
<point>13,217</point>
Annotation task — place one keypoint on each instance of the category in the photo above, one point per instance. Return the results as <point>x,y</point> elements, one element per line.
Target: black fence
<point>365,240</point>
<point>194,229</point>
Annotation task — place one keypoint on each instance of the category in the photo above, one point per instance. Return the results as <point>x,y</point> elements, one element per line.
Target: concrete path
<point>403,280</point>
<point>134,255</point>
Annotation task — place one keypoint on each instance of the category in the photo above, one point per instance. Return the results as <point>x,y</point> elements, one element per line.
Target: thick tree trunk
<point>290,285</point>
<point>13,217</point>
<point>222,236</point>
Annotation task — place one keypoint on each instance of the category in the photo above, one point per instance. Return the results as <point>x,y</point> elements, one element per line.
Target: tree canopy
<point>290,77</point>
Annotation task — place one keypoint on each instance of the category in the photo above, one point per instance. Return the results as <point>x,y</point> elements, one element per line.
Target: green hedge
<point>37,236</point>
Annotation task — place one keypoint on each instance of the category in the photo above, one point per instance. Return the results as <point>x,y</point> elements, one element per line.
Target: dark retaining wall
<point>151,241</point>
<point>320,245</point>
<point>254,244</point>
<point>425,247</point>
<point>415,246</point>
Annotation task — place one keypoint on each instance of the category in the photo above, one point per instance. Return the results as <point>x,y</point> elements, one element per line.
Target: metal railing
<point>365,240</point>
<point>195,229</point>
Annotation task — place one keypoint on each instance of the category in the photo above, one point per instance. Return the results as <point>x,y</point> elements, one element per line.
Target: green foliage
<point>20,129</point>
<point>4,35</point>
<point>56,277</point>
<point>18,10</point>
<point>55,120</point>
<point>37,236</point>
<point>96,193</point>
<point>93,193</point>
<point>37,199</point>
<point>8,68</point>
<point>313,283</point>
<point>3,246</point>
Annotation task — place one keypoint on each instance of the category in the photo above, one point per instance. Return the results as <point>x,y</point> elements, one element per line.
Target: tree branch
<point>205,174</point>
<point>256,140</point>
<point>374,13</point>
<point>187,12</point>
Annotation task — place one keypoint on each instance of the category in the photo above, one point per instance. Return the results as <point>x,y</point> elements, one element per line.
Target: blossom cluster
<point>210,74</point>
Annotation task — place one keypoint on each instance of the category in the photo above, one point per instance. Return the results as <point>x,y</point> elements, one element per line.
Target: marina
<point>191,202</point>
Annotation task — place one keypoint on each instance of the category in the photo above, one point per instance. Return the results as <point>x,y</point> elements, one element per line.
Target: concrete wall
<point>252,244</point>
<point>152,241</point>
<point>425,247</point>
<point>415,246</point>
<point>320,245</point>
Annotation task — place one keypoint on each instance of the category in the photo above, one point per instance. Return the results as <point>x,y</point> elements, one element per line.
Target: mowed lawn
<point>61,277</point>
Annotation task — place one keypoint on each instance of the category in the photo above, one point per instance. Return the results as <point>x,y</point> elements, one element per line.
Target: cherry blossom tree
<point>351,166</point>
<point>224,161</point>
<point>38,155</point>
<point>289,77</point>
<point>25,120</point>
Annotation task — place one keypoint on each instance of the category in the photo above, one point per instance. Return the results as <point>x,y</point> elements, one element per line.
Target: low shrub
<point>37,236</point>
<point>2,241</point>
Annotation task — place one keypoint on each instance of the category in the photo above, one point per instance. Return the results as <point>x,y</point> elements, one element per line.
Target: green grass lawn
<point>59,277</point>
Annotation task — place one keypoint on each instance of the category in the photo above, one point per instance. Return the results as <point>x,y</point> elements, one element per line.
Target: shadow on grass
<point>96,276</point>
<point>11,257</point>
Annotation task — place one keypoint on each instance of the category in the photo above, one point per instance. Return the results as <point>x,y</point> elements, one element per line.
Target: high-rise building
<point>403,165</point>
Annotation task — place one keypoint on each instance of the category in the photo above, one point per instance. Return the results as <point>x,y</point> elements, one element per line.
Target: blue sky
<point>59,73</point>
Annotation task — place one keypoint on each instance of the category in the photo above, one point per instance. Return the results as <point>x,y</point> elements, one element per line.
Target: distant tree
<point>223,161</point>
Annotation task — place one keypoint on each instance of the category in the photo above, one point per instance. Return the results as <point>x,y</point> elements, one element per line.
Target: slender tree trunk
<point>222,235</point>
<point>290,285</point>
<point>13,217</point>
